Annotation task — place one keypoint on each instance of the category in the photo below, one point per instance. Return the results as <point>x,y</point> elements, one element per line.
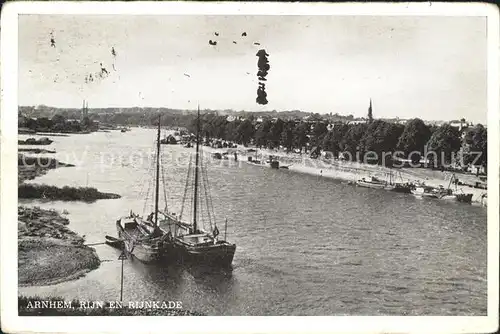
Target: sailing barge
<point>171,239</point>
<point>143,238</point>
<point>194,245</point>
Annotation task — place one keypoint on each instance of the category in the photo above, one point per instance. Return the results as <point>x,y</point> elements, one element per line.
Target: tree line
<point>413,140</point>
<point>385,140</point>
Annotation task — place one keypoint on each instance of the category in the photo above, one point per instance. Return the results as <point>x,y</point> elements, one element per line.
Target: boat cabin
<point>196,239</point>
<point>172,224</point>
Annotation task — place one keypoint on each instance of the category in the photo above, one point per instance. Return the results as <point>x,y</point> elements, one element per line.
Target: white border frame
<point>11,322</point>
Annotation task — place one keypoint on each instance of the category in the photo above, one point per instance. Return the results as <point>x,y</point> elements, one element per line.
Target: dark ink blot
<point>244,34</point>
<point>261,94</point>
<point>263,68</point>
<point>103,70</point>
<point>212,42</point>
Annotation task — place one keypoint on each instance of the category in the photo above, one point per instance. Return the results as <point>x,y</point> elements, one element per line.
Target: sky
<point>430,67</point>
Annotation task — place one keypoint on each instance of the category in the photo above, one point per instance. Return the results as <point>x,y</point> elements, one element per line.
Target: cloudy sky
<point>430,67</point>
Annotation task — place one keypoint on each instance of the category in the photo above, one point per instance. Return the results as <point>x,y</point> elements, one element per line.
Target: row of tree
<point>57,123</point>
<point>413,140</point>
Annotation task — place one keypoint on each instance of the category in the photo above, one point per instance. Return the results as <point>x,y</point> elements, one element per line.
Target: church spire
<point>370,113</point>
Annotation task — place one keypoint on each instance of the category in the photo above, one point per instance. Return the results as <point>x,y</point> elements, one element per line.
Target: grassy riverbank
<point>48,251</point>
<point>27,306</point>
<point>31,191</point>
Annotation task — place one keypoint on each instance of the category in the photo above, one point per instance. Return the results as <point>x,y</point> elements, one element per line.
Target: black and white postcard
<point>236,163</point>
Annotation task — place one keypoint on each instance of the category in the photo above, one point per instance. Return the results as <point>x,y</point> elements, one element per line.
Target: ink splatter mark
<point>244,34</point>
<point>261,94</point>
<point>212,42</point>
<point>187,75</point>
<point>256,43</point>
<point>264,67</point>
<point>113,52</point>
<point>262,64</point>
<point>52,40</point>
<point>234,42</point>
<point>104,72</point>
<point>216,34</point>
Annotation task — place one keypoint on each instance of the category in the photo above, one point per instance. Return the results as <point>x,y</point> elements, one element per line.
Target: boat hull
<point>371,185</point>
<point>400,189</point>
<point>219,255</point>
<point>464,198</point>
<point>146,253</point>
<point>420,192</point>
<point>439,194</point>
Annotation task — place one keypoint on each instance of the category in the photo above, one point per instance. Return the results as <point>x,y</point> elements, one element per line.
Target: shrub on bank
<point>65,193</point>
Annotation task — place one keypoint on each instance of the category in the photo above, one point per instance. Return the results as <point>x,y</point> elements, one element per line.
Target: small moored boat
<point>373,182</point>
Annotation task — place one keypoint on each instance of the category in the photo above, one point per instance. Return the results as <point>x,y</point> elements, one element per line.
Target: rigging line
<point>192,198</point>
<point>209,200</point>
<point>200,193</point>
<point>153,196</point>
<point>202,184</point>
<point>207,213</point>
<point>205,188</point>
<point>148,173</point>
<point>210,215</point>
<point>210,195</point>
<point>151,181</point>
<point>164,186</point>
<point>186,187</point>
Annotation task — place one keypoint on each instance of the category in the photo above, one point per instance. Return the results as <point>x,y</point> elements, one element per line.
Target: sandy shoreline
<point>353,171</point>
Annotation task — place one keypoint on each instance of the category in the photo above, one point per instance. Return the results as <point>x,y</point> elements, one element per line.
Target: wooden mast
<point>157,192</point>
<point>195,227</point>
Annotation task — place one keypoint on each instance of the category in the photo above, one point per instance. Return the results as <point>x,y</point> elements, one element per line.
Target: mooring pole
<point>121,288</point>
<point>122,257</point>
<point>225,231</point>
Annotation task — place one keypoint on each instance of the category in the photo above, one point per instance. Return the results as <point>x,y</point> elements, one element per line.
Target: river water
<point>306,245</point>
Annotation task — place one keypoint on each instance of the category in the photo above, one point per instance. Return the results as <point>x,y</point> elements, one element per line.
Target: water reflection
<point>218,279</point>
